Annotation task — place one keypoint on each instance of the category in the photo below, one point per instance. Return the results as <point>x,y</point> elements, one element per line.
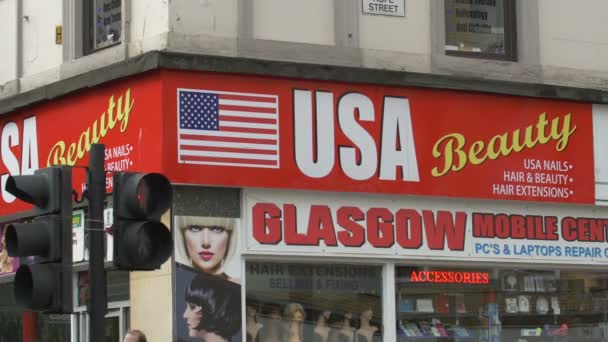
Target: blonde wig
<point>290,311</point>
<point>183,222</point>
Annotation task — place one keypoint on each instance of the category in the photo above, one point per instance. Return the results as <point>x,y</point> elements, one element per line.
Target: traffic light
<point>141,241</point>
<point>45,284</point>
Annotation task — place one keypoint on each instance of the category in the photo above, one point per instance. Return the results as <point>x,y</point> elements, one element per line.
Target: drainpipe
<point>18,43</point>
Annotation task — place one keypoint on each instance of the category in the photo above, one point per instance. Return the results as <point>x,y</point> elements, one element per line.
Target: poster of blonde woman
<point>7,263</point>
<point>207,281</point>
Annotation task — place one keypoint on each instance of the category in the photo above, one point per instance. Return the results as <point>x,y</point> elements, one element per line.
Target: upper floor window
<point>481,29</point>
<point>103,24</point>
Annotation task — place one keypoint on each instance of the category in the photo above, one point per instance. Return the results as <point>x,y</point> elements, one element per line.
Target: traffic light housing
<point>141,241</point>
<point>45,284</point>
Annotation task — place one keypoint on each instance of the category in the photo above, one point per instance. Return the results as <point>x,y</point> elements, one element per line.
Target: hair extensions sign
<point>367,225</point>
<point>237,130</point>
<point>207,279</point>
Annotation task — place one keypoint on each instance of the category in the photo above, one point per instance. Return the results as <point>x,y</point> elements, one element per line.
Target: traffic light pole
<point>96,189</point>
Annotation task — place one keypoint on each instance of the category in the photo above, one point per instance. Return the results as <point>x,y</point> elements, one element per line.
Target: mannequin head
<point>294,312</point>
<point>367,313</point>
<point>324,316</point>
<point>252,310</point>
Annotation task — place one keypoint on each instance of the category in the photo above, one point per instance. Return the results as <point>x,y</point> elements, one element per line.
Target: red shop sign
<point>125,116</point>
<point>246,131</point>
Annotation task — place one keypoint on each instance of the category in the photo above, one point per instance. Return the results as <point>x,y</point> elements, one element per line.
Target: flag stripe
<point>249,97</point>
<point>185,137</point>
<point>247,119</point>
<point>235,134</point>
<point>193,144</point>
<point>270,127</point>
<point>229,155</point>
<point>225,113</point>
<point>227,149</point>
<point>254,104</point>
<point>250,109</point>
<point>247,130</point>
<point>231,161</point>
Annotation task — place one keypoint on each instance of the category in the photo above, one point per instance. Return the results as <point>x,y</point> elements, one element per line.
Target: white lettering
<point>366,167</point>
<point>29,151</point>
<point>10,138</point>
<point>397,123</point>
<point>303,133</point>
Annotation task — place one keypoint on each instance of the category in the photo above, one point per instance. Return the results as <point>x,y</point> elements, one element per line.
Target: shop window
<point>481,29</point>
<point>321,302</point>
<point>500,305</point>
<point>102,22</point>
<point>54,328</point>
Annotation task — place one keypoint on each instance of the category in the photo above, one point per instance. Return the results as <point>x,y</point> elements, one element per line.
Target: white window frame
<point>76,58</point>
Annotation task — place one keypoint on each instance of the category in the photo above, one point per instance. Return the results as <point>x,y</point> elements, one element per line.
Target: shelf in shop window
<point>413,314</point>
<point>402,338</point>
<point>530,314</point>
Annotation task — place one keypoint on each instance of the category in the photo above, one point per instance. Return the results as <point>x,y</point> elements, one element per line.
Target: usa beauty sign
<point>247,131</point>
<point>323,223</point>
<point>125,116</point>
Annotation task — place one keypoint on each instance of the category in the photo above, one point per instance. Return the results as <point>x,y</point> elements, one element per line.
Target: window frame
<point>510,36</point>
<point>88,28</point>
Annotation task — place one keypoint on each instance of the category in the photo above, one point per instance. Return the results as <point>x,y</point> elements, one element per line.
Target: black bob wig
<point>220,301</point>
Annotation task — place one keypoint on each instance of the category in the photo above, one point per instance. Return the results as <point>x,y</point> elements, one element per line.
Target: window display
<point>293,302</point>
<point>481,29</point>
<point>500,305</point>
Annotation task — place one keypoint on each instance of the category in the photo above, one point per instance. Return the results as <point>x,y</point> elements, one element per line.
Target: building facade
<point>343,170</point>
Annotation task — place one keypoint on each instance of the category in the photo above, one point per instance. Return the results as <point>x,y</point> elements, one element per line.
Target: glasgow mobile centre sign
<point>390,226</point>
<point>124,116</point>
<point>247,131</point>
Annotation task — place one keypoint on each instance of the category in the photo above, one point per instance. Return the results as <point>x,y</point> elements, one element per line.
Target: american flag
<point>227,128</point>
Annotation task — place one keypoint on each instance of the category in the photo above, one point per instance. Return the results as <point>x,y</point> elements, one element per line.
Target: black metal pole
<point>96,189</point>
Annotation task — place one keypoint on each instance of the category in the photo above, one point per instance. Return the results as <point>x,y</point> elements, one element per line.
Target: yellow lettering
<point>540,128</point>
<point>564,135</point>
<point>451,147</point>
<point>123,115</point>
<point>100,128</point>
<point>476,148</point>
<point>110,125</point>
<point>528,141</point>
<point>84,144</point>
<point>112,119</point>
<point>517,146</point>
<point>56,154</point>
<point>71,152</point>
<point>448,154</point>
<point>502,149</point>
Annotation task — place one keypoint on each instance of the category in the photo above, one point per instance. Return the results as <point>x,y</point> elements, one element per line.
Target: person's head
<point>135,336</point>
<point>209,242</point>
<point>213,305</point>
<point>294,312</point>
